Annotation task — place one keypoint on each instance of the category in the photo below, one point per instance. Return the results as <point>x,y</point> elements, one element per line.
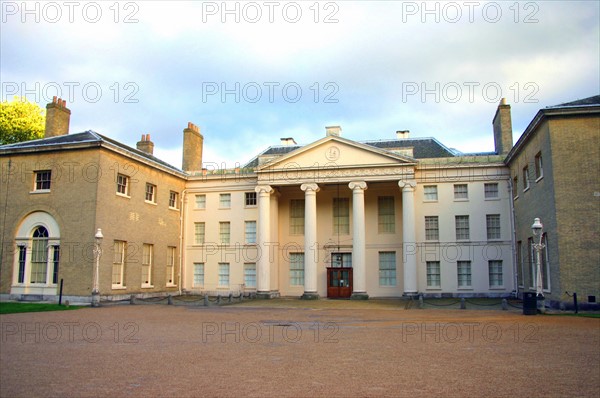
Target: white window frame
<point>170,271</point>
<point>173,200</point>
<point>224,232</point>
<point>224,269</point>
<point>250,275</point>
<point>297,216</point>
<point>250,199</point>
<point>493,227</point>
<point>296,269</point>
<point>459,194</point>
<point>387,269</point>
<point>123,181</point>
<point>147,264</point>
<point>224,201</point>
<point>490,273</point>
<point>429,265</point>
<point>460,228</point>
<point>432,195</point>
<point>386,215</point>
<point>526,178</point>
<point>250,232</point>
<point>119,264</point>
<point>198,277</point>
<point>429,228</point>
<point>491,194</point>
<point>539,167</point>
<point>464,270</point>
<point>200,202</point>
<point>341,216</point>
<point>150,193</point>
<point>199,233</point>
<point>40,184</point>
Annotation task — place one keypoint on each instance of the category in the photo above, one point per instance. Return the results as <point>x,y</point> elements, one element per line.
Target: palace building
<point>334,218</point>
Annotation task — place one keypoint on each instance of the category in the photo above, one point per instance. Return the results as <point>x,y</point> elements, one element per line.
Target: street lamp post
<point>97,254</point>
<point>537,229</point>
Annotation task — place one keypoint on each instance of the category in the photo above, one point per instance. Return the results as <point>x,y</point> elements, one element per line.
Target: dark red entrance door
<point>339,282</point>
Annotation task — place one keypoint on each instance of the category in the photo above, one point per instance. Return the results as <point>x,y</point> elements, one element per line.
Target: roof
<point>590,105</point>
<point>79,140</point>
<point>423,148</point>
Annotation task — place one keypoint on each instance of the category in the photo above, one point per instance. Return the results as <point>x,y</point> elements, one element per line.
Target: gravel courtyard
<point>278,350</point>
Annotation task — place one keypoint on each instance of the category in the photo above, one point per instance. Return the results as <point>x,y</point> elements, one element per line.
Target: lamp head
<point>537,227</point>
<point>99,235</point>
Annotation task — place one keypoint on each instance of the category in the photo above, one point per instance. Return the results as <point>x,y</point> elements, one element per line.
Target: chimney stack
<point>288,141</point>
<point>57,118</point>
<point>402,134</point>
<point>145,145</point>
<point>503,140</point>
<point>192,148</point>
<point>336,131</point>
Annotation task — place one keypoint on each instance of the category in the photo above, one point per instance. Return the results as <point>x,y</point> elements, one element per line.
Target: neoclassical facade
<point>334,218</point>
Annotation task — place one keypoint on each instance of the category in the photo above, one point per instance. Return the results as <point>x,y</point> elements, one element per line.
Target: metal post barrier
<point>463,304</point>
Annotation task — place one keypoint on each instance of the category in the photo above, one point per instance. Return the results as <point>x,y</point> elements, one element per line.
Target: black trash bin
<point>529,303</point>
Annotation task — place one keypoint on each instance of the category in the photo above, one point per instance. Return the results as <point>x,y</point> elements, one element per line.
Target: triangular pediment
<point>339,152</point>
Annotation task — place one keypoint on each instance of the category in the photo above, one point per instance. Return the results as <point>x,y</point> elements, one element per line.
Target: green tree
<point>21,120</point>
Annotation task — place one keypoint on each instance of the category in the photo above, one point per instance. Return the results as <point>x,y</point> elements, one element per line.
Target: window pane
<point>464,273</point>
<point>199,233</point>
<point>225,200</point>
<point>433,274</point>
<point>462,227</point>
<point>198,274</point>
<point>223,274</point>
<point>432,228</point>
<point>250,275</point>
<point>386,214</point>
<point>296,269</point>
<point>250,198</point>
<point>491,190</point>
<point>341,216</point>
<point>387,269</point>
<point>431,192</point>
<point>493,226</point>
<point>42,179</point>
<point>250,232</point>
<point>460,191</point>
<point>495,273</point>
<point>297,217</point>
<point>200,201</point>
<point>224,234</point>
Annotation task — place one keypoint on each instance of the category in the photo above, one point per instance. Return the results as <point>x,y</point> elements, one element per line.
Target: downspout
<point>513,242</point>
<point>181,231</point>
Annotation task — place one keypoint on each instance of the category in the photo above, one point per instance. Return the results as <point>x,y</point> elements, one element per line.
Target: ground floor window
<point>223,274</point>
<point>297,269</point>
<point>495,273</point>
<point>250,275</point>
<point>387,268</point>
<point>198,274</point>
<point>433,274</point>
<point>118,263</point>
<point>464,274</point>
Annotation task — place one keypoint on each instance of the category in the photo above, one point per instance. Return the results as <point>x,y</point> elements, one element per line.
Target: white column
<point>359,283</point>
<point>409,244</point>
<point>263,265</point>
<point>310,240</point>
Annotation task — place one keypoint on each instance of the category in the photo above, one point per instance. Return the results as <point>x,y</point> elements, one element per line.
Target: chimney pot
<point>288,141</point>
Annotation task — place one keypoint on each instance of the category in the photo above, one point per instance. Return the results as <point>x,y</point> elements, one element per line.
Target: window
<point>531,262</point>
<point>387,268</point>
<point>433,274</point>
<point>495,273</point>
<point>525,178</point>
<point>432,230</point>
<point>296,269</point>
<point>173,199</point>
<point>225,201</point>
<point>461,192</point>
<point>491,190</point>
<point>118,264</point>
<point>223,274</point>
<point>297,217</point>
<point>539,171</point>
<point>22,258</point>
<point>250,275</point>
<point>463,270</point>
<point>39,255</point>
<point>150,193</point>
<point>516,186</point>
<point>431,192</point>
<point>200,201</point>
<point>122,184</point>
<point>493,226</point>
<point>42,180</point>
<point>462,227</point>
<point>55,263</point>
<point>171,253</point>
<point>199,233</point>
<point>224,232</point>
<point>250,232</point>
<point>520,261</point>
<point>387,215</point>
<point>341,216</point>
<point>341,260</point>
<point>250,198</point>
<point>147,260</point>
<point>198,274</point>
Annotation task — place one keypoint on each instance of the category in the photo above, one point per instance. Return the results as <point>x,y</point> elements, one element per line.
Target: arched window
<point>39,255</point>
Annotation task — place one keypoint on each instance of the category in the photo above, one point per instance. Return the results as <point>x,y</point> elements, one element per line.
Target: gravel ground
<point>279,349</point>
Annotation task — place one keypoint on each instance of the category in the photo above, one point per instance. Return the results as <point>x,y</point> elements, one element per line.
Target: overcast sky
<point>249,73</point>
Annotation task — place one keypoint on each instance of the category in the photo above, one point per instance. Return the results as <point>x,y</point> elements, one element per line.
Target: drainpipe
<point>181,231</point>
<point>513,242</point>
